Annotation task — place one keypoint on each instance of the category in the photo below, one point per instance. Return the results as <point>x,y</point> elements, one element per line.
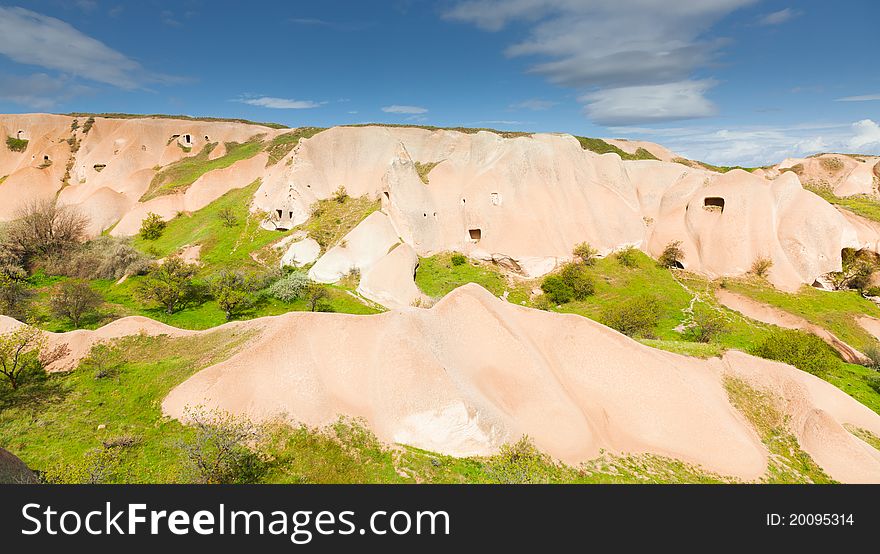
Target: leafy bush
<point>557,290</point>
<point>520,463</point>
<point>636,316</point>
<point>219,452</point>
<point>872,291</point>
<point>152,226</point>
<point>856,269</point>
<point>290,287</point>
<point>873,355</point>
<point>458,259</point>
<point>16,144</point>
<point>874,382</point>
<point>578,278</point>
<point>628,257</point>
<point>15,294</point>
<point>761,266</point>
<point>804,351</point>
<point>672,255</point>
<point>586,253</point>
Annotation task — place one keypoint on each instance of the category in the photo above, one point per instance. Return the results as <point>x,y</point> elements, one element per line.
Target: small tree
<point>219,452</point>
<point>74,300</point>
<point>761,266</point>
<point>231,290</point>
<point>152,226</point>
<point>227,217</point>
<point>557,290</point>
<point>20,351</point>
<point>672,255</point>
<point>316,295</point>
<point>586,253</point>
<point>169,284</point>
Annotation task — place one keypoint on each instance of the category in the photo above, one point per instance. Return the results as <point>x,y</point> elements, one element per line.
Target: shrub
<point>42,229</point>
<point>520,463</point>
<point>706,325</point>
<point>557,290</point>
<point>16,144</point>
<point>15,294</point>
<point>856,269</point>
<point>458,259</point>
<point>227,217</point>
<point>219,451</point>
<point>873,355</point>
<point>672,255</point>
<point>290,287</point>
<point>104,257</point>
<point>761,266</point>
<point>586,253</point>
<point>74,300</point>
<point>872,291</point>
<point>804,351</point>
<point>832,165</point>
<point>340,195</point>
<point>636,316</point>
<point>873,382</point>
<point>578,278</point>
<point>628,257</point>
<point>152,226</point>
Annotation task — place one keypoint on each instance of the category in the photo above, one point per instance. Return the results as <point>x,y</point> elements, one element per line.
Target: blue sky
<point>725,81</point>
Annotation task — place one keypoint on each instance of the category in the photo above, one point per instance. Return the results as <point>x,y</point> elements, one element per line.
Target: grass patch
<point>788,462</point>
<point>466,130</point>
<point>16,144</point>
<point>423,169</point>
<point>716,168</point>
<point>178,176</point>
<point>859,204</point>
<point>835,311</point>
<point>59,422</point>
<point>599,146</point>
<point>331,220</point>
<point>437,276</point>
<point>280,146</point>
<point>864,434</point>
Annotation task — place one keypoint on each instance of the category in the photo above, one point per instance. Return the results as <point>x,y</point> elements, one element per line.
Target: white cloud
<point>650,103</point>
<point>866,137</point>
<point>534,104</point>
<point>862,98</point>
<point>596,46</point>
<point>279,103</point>
<point>778,18</point>
<point>31,38</point>
<point>762,145</point>
<point>397,108</point>
<point>38,91</point>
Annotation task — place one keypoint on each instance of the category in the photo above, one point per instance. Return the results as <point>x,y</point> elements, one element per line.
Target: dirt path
<point>775,316</point>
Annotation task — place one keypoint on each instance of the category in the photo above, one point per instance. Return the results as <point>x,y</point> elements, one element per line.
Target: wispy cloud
<point>39,91</point>
<point>333,25</point>
<point>762,145</point>
<point>399,109</point>
<point>778,18</point>
<point>279,103</point>
<point>863,98</point>
<point>31,38</point>
<point>534,104</point>
<point>617,54</point>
